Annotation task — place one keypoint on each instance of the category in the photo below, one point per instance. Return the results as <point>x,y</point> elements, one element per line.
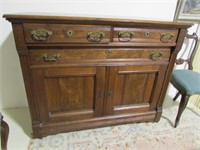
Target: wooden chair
<point>4,133</point>
<point>187,81</point>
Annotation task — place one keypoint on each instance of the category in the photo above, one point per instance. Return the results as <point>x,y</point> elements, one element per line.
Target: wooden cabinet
<point>82,73</point>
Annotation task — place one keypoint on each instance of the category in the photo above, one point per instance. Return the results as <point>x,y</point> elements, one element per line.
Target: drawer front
<point>66,33</point>
<point>46,56</point>
<point>144,35</point>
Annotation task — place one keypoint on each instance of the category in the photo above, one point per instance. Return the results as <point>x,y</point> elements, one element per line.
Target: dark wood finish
<point>133,89</point>
<point>184,96</point>
<point>71,55</point>
<point>182,106</point>
<point>82,73</point>
<point>19,18</point>
<point>59,32</point>
<point>68,93</point>
<point>142,35</point>
<point>4,134</point>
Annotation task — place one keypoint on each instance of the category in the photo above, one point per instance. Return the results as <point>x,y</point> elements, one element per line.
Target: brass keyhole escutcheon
<point>70,33</point>
<point>147,34</point>
<point>109,52</point>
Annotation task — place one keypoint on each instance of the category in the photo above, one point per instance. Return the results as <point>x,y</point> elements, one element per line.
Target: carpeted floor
<point>136,136</point>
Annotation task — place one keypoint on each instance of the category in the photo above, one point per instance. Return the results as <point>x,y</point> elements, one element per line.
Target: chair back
<point>192,55</point>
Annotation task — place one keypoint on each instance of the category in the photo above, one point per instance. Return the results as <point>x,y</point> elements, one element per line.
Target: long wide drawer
<point>66,33</point>
<point>46,56</point>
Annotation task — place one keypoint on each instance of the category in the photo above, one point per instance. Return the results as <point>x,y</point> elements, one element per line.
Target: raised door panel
<point>134,89</point>
<point>66,94</point>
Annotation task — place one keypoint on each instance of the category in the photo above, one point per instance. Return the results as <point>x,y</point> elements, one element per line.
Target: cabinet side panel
<point>29,89</point>
<point>172,60</point>
<point>19,37</point>
<point>25,62</point>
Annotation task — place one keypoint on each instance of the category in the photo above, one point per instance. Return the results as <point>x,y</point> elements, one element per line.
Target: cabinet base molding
<point>61,127</point>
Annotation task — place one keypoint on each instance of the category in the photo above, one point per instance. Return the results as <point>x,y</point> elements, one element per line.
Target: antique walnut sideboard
<point>82,73</point>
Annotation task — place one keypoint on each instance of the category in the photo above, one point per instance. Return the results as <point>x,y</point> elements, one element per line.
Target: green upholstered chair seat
<point>186,81</point>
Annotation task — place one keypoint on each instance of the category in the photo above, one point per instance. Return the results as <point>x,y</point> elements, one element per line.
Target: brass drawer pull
<point>166,37</point>
<point>156,56</point>
<point>51,58</point>
<point>94,36</point>
<point>125,36</point>
<point>41,34</point>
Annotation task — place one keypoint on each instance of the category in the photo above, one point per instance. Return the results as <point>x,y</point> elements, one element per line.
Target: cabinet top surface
<point>91,20</point>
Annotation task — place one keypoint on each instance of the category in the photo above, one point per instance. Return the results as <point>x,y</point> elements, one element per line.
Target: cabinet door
<point>133,89</point>
<point>66,94</point>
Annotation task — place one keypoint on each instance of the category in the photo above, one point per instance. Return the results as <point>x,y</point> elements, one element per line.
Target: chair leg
<point>4,134</point>
<point>182,105</point>
<point>176,96</point>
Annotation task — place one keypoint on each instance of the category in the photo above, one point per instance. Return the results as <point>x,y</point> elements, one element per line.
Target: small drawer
<point>46,56</point>
<point>66,33</point>
<point>144,35</point>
